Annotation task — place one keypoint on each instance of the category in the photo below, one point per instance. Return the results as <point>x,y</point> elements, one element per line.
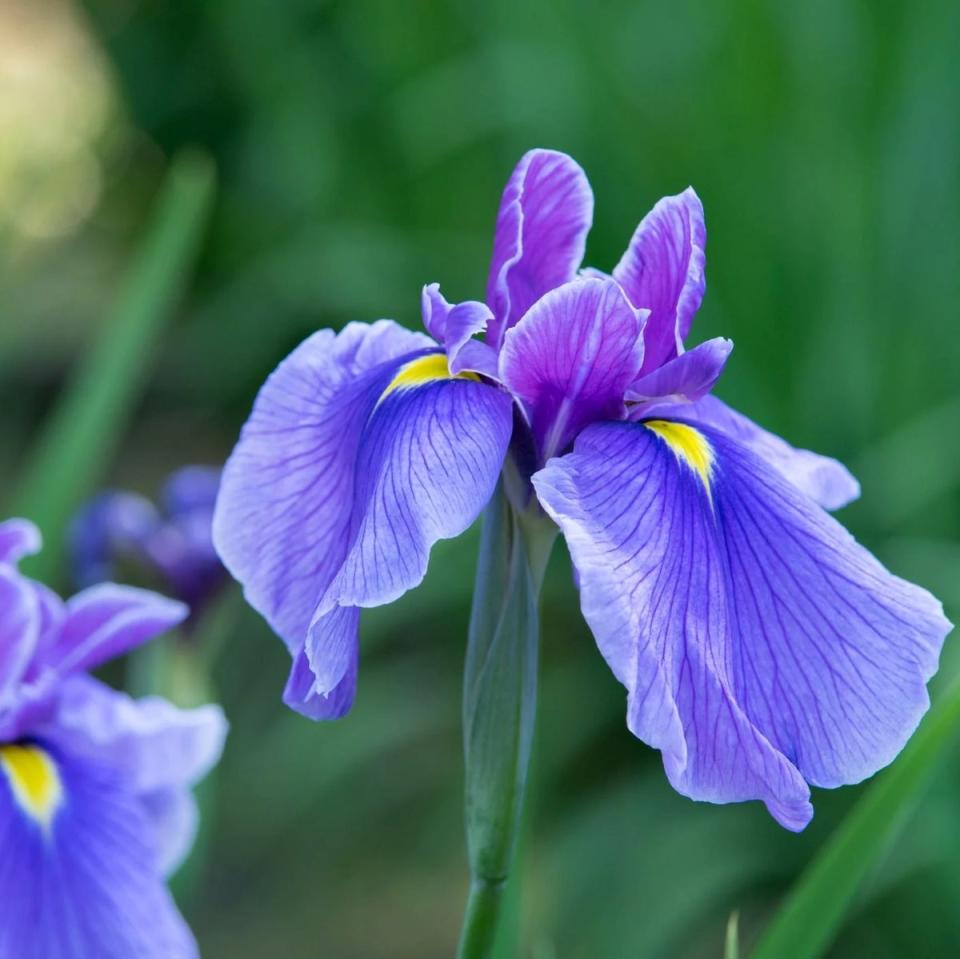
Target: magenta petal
<point>571,358</point>
<point>663,271</point>
<point>542,225</point>
<point>684,379</point>
<point>760,645</point>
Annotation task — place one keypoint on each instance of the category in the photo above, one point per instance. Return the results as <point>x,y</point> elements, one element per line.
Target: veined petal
<point>761,646</point>
<point>18,538</point>
<point>344,477</point>
<point>428,463</point>
<point>825,480</point>
<point>571,358</point>
<point>684,379</point>
<point>79,875</point>
<point>283,511</point>
<point>663,271</point>
<point>542,225</point>
<point>106,621</point>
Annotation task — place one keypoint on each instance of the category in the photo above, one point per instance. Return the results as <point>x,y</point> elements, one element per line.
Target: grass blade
<point>71,453</point>
<point>812,914</point>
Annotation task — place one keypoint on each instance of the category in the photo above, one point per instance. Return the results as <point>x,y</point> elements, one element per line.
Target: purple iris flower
<point>95,803</point>
<point>762,649</point>
<point>172,542</point>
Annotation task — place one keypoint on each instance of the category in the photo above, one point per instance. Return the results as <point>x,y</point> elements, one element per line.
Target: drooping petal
<point>161,751</point>
<point>343,479</point>
<point>824,479</point>
<point>684,379</point>
<point>663,271</point>
<point>79,875</point>
<point>428,463</point>
<point>572,357</point>
<point>545,214</point>
<point>283,511</point>
<point>18,538</point>
<point>762,647</point>
<point>106,621</point>
<point>453,325</point>
<point>19,630</point>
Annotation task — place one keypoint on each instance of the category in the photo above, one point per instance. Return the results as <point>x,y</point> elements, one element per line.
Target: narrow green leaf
<point>73,450</point>
<point>731,949</point>
<point>812,914</point>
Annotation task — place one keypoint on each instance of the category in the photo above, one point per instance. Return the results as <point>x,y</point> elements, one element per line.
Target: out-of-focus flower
<point>762,649</point>
<point>172,543</point>
<point>95,801</point>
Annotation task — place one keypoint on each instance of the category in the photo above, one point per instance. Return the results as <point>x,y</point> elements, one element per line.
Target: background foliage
<point>360,148</point>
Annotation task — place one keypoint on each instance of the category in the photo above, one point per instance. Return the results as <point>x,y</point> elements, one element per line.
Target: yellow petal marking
<point>689,446</point>
<point>34,780</point>
<point>424,369</point>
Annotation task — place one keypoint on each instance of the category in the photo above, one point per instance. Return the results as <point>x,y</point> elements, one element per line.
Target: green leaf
<point>809,919</point>
<point>731,948</point>
<point>74,448</point>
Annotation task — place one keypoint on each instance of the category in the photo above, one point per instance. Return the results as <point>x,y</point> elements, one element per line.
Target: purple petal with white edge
<point>825,480</point>
<point>428,463</point>
<point>453,325</point>
<point>762,647</point>
<point>106,621</point>
<point>19,630</point>
<point>663,271</point>
<point>18,538</point>
<point>545,214</point>
<point>79,876</point>
<point>572,357</point>
<point>160,750</point>
<point>286,496</point>
<point>684,379</point>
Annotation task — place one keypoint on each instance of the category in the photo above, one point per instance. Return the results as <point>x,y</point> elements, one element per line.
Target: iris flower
<point>95,803</point>
<point>762,649</point>
<point>172,543</point>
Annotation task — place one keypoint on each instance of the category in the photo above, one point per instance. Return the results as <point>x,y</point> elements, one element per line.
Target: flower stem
<point>499,706</point>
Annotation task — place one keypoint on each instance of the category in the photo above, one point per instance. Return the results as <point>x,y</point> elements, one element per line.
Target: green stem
<point>499,706</point>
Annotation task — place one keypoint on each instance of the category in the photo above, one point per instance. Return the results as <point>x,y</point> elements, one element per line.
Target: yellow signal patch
<point>34,780</point>
<point>424,369</point>
<point>689,446</point>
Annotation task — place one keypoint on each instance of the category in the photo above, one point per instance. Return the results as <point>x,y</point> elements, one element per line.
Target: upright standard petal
<point>345,475</point>
<point>663,271</point>
<point>572,357</point>
<point>761,646</point>
<point>825,480</point>
<point>79,876</point>
<point>545,214</point>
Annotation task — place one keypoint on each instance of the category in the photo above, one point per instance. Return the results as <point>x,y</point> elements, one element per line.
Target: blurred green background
<point>360,150</point>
